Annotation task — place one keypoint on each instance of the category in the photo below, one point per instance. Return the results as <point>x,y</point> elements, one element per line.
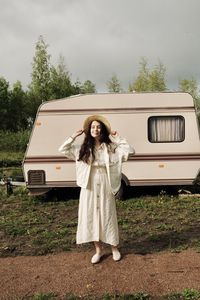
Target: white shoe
<point>96,258</point>
<point>116,255</point>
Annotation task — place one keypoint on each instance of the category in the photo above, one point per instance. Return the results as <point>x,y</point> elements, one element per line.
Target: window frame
<point>165,116</point>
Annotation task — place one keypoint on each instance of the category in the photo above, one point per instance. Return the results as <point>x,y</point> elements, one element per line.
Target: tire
<point>121,194</point>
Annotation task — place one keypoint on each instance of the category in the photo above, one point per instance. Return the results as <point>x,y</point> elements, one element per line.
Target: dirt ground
<point>72,273</point>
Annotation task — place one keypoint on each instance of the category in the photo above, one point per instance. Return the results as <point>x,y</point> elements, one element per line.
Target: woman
<point>98,169</point>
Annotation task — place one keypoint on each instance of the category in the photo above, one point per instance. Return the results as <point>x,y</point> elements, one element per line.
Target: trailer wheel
<point>121,194</point>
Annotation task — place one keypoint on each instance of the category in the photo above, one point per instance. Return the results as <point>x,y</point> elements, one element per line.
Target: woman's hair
<point>87,153</point>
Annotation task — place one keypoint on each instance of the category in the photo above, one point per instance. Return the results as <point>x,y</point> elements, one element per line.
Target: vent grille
<point>36,177</point>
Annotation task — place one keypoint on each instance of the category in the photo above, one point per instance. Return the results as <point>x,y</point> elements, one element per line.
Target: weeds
<point>42,296</point>
<point>187,294</point>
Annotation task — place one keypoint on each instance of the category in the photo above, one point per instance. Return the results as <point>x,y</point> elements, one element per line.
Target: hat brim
<point>100,118</point>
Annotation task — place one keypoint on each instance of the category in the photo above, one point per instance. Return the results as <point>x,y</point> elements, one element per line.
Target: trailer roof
<point>126,100</point>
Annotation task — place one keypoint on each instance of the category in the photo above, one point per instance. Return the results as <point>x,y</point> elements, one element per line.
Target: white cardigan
<point>113,161</point>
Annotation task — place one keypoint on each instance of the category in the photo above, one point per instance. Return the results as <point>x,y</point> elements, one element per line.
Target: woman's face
<point>95,129</point>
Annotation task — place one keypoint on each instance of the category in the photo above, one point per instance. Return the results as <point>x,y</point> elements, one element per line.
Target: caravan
<point>162,127</point>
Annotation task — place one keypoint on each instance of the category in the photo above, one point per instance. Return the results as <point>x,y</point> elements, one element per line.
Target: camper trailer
<point>162,128</point>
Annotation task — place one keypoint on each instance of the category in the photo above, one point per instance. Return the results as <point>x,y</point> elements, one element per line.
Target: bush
<point>11,159</point>
<point>14,141</point>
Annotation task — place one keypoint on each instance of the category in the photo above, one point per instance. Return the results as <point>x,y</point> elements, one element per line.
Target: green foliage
<point>41,76</point>
<point>12,169</point>
<point>50,82</point>
<point>114,85</point>
<point>43,296</point>
<point>88,87</point>
<point>60,85</point>
<point>14,141</point>
<point>10,159</point>
<point>77,87</point>
<point>12,148</point>
<point>4,103</point>
<point>17,110</point>
<point>191,294</point>
<point>39,88</point>
<point>135,296</point>
<point>13,106</point>
<point>187,294</point>
<point>149,81</point>
<point>188,86</point>
<point>141,83</point>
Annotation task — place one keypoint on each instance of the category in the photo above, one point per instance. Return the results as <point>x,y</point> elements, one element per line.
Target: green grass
<point>147,224</point>
<point>187,294</point>
<point>42,296</point>
<point>159,223</point>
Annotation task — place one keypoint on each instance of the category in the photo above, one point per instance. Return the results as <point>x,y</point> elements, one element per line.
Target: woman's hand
<point>77,133</point>
<point>114,133</point>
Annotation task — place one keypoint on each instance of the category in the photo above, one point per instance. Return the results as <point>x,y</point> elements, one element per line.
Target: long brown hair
<point>87,153</point>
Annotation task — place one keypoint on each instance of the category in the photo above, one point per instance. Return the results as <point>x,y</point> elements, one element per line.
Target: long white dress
<point>97,217</point>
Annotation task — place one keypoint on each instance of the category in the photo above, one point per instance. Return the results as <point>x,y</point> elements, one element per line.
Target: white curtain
<point>166,129</point>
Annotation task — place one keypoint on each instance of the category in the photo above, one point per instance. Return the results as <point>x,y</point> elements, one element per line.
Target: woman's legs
<point>116,253</point>
<point>98,247</point>
<point>96,257</point>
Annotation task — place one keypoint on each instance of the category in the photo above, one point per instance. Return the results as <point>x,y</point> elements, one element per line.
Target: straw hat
<point>100,118</point>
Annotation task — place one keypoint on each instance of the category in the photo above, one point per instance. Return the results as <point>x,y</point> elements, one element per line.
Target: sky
<point>100,38</point>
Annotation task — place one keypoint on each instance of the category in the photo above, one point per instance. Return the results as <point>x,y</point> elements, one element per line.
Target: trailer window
<point>166,129</point>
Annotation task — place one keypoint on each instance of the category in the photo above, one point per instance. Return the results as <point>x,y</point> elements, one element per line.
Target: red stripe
<point>143,157</point>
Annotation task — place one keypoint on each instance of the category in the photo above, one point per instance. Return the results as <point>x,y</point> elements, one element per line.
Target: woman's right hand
<point>77,133</point>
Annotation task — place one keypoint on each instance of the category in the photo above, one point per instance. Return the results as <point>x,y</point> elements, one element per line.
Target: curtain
<point>166,129</point>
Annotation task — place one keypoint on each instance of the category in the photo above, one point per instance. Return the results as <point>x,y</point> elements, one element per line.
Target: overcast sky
<point>99,38</point>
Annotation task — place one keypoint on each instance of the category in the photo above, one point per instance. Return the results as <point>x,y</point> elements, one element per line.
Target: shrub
<point>11,159</point>
<point>14,141</point>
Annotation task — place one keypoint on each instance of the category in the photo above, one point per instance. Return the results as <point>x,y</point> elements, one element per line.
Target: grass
<point>147,224</point>
<point>42,296</point>
<point>187,294</point>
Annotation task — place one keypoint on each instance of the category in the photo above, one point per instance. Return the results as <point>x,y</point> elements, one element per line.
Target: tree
<point>39,88</point>
<point>60,85</point>
<point>147,80</point>
<point>114,85</point>
<point>88,87</point>
<point>40,84</point>
<point>17,111</point>
<point>76,88</point>
<point>189,86</point>
<point>141,83</point>
<point>4,103</point>
<point>157,78</point>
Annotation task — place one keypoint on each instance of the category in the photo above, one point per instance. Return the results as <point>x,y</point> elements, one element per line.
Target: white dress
<point>97,217</point>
